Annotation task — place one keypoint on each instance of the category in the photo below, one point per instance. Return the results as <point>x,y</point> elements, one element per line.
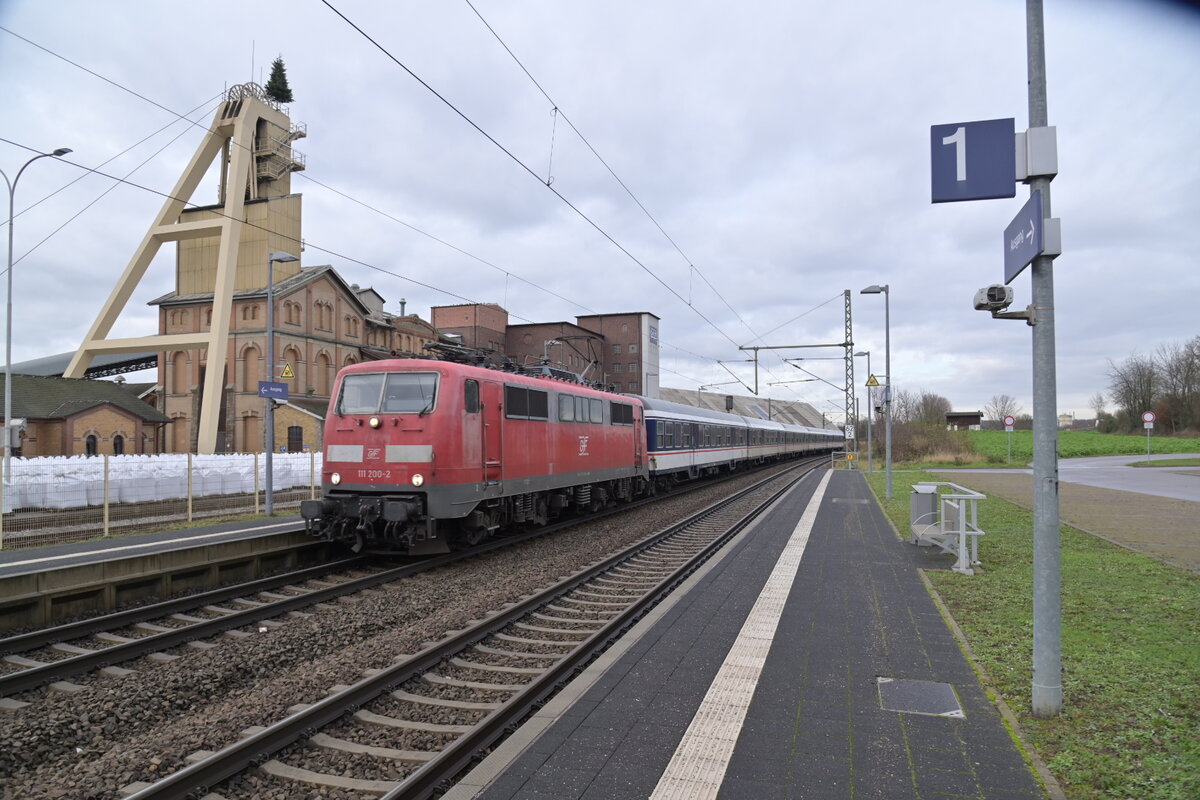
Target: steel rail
<point>61,669</point>
<point>199,777</point>
<point>119,619</point>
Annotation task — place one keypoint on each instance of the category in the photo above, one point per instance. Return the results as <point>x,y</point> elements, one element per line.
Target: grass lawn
<point>1130,727</point>
<point>993,445</point>
<point>1167,462</point>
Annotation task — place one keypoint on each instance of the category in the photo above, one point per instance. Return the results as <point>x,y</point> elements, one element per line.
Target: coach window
<point>566,408</point>
<point>597,411</point>
<point>659,435</point>
<point>471,396</point>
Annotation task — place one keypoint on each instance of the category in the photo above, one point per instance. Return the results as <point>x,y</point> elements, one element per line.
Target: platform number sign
<point>973,160</point>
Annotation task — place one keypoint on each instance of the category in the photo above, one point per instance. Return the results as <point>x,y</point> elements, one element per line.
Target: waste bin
<point>923,512</point>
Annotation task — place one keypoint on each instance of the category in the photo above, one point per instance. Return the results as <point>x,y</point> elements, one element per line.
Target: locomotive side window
<point>566,408</point>
<point>620,413</point>
<point>516,402</point>
<point>471,396</point>
<point>522,403</point>
<point>581,410</point>
<point>597,411</point>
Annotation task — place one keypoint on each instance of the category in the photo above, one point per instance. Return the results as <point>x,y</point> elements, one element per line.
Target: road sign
<point>1149,416</point>
<point>872,381</point>
<point>1009,422</point>
<point>1023,239</point>
<point>973,160</point>
<point>287,371</point>
<point>275,391</point>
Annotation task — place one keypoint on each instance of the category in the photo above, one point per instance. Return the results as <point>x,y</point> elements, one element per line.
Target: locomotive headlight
<point>373,422</point>
<point>335,478</point>
<point>418,479</point>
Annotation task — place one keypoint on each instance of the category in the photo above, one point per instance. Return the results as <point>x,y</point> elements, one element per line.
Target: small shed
<point>964,420</point>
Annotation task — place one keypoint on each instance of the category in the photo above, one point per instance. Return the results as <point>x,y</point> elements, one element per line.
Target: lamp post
<point>269,414</point>
<point>12,189</point>
<point>870,408</point>
<point>887,367</point>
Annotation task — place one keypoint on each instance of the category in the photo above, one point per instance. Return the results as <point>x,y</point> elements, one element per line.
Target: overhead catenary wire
<point>516,160</point>
<point>559,112</point>
<point>508,273</point>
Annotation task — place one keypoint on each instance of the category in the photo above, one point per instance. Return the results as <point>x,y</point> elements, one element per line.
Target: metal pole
<point>12,190</point>
<point>1047,601</point>
<point>870,414</point>
<point>269,413</point>
<point>887,392</point>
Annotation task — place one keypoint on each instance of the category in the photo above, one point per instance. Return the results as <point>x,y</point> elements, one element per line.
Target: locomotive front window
<point>409,392</point>
<point>391,393</point>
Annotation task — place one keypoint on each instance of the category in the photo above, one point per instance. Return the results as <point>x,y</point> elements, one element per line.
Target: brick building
<point>66,417</point>
<point>619,351</point>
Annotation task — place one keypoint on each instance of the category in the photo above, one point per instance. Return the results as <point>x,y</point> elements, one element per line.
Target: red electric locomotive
<point>422,455</point>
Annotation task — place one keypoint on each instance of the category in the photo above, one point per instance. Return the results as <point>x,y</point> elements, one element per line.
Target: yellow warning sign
<point>872,381</point>
<point>287,371</point>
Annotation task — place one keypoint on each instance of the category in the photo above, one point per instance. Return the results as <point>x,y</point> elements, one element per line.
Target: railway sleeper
<point>277,769</point>
<point>328,742</point>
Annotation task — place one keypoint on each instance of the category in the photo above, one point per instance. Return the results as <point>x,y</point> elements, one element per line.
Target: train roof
<point>702,414</point>
<point>503,376</point>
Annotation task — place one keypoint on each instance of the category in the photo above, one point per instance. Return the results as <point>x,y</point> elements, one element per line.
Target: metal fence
<point>65,499</point>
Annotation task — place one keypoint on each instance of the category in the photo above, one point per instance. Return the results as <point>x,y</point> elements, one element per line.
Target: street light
<point>269,415</point>
<point>887,367</point>
<point>870,409</point>
<point>12,189</point>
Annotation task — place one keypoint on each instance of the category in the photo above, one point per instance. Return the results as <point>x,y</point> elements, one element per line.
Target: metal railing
<point>948,519</point>
<point>63,499</point>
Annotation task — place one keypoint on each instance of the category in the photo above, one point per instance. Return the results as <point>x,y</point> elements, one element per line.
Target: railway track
<point>408,729</point>
<point>52,656</point>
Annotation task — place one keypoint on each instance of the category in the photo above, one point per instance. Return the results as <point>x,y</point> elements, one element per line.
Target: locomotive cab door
<point>492,400</point>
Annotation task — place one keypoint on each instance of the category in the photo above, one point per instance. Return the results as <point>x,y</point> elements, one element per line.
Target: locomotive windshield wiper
<point>428,407</point>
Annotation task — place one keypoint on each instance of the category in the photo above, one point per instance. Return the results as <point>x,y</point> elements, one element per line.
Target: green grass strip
<point>1130,727</point>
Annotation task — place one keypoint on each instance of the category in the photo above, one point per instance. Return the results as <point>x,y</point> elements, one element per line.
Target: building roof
<point>620,314</point>
<point>102,365</point>
<point>309,405</point>
<point>792,413</point>
<point>43,397</point>
<point>305,276</point>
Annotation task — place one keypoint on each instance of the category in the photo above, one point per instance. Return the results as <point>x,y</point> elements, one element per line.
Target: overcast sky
<point>782,146</point>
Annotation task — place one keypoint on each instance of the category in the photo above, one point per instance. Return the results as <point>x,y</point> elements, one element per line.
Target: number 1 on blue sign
<point>959,140</point>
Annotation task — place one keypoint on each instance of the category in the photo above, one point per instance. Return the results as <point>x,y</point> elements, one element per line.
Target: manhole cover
<point>919,697</point>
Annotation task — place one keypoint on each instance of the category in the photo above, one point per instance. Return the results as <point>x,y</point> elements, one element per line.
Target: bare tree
<point>904,406</point>
<point>931,409</point>
<point>1002,405</point>
<point>1133,384</point>
<point>1179,382</point>
<point>1097,404</point>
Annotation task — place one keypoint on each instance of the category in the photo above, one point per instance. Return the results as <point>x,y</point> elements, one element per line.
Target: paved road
<point>1151,510</point>
<point>1111,472</point>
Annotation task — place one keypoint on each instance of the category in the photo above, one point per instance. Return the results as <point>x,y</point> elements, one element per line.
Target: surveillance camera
<point>994,298</point>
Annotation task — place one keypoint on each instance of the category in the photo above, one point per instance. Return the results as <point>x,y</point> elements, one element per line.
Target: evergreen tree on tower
<point>277,86</point>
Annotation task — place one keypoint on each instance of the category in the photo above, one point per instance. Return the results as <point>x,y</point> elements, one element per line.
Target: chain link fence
<point>66,499</point>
